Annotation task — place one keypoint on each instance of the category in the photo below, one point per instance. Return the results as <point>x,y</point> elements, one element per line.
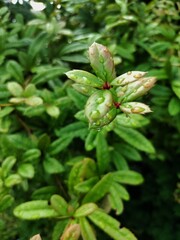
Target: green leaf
<point>85,186</point>
<point>128,235</point>
<point>128,152</point>
<point>59,145</point>
<point>59,229</point>
<point>53,111</point>
<point>7,165</point>
<point>90,140</point>
<point>31,155</point>
<point>102,152</point>
<point>48,74</point>
<point>6,111</point>
<point>78,99</point>
<point>83,169</point>
<point>26,170</point>
<point>73,47</point>
<point>12,180</point>
<point>86,78</point>
<point>86,229</point>
<point>44,193</point>
<point>15,89</point>
<point>80,115</point>
<point>115,202</point>
<point>131,120</point>
<point>134,138</point>
<point>76,129</point>
<point>84,89</point>
<point>59,204</point>
<point>119,161</point>
<point>15,70</point>
<point>52,165</point>
<point>6,202</point>
<point>34,210</point>
<point>99,190</point>
<point>85,210</point>
<point>37,45</point>
<point>33,101</point>
<point>176,87</point>
<point>77,58</point>
<point>128,177</point>
<point>121,191</point>
<point>107,224</point>
<point>174,106</point>
<point>29,91</point>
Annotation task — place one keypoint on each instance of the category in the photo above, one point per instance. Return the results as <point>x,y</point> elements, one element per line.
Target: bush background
<point>141,35</point>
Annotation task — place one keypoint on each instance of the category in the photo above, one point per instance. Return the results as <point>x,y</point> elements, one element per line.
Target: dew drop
<point>95,114</point>
<point>100,100</point>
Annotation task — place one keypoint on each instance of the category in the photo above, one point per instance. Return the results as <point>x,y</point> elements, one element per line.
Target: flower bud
<point>102,62</point>
<point>99,109</point>
<point>135,107</point>
<point>135,89</point>
<point>127,78</point>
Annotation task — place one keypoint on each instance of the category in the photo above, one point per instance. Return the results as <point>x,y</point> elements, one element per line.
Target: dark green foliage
<point>51,164</point>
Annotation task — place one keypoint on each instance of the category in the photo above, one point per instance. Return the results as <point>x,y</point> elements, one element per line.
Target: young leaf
<point>86,229</point>
<point>34,210</point>
<point>72,232</point>
<point>36,237</point>
<point>134,138</point>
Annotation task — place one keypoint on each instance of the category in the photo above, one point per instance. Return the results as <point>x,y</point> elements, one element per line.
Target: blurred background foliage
<point>142,35</point>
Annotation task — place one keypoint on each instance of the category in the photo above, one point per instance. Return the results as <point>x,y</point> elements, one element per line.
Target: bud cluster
<point>108,93</point>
